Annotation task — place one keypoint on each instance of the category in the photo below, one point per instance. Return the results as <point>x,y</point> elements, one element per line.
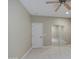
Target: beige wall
<point>48,22</point>
<point>19,39</point>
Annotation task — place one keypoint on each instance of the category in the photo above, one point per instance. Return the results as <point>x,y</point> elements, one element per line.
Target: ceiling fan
<point>60,3</point>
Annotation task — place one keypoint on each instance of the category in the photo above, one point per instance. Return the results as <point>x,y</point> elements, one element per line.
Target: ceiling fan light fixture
<point>67,12</point>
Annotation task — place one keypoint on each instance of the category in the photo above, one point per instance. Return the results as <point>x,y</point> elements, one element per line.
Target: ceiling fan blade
<point>67,6</point>
<point>57,8</point>
<point>48,2</point>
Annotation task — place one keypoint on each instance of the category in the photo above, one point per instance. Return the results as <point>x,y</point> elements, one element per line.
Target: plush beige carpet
<point>62,52</point>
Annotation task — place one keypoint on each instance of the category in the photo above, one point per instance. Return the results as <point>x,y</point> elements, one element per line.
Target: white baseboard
<point>26,53</point>
<point>13,58</point>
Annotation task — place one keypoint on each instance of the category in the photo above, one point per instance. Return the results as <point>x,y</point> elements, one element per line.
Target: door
<point>37,35</point>
<point>58,34</point>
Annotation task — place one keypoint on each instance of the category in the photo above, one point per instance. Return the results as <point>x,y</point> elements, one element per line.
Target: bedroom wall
<point>19,33</point>
<point>48,22</point>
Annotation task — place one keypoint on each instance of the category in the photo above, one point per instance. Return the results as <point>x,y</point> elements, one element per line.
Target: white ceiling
<point>40,8</point>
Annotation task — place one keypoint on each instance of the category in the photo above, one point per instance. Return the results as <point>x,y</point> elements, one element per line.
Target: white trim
<point>13,58</point>
<point>26,53</point>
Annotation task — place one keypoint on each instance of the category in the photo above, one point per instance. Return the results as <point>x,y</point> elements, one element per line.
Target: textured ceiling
<point>40,8</point>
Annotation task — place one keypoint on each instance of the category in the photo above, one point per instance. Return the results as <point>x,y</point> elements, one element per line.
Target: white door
<point>37,35</point>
